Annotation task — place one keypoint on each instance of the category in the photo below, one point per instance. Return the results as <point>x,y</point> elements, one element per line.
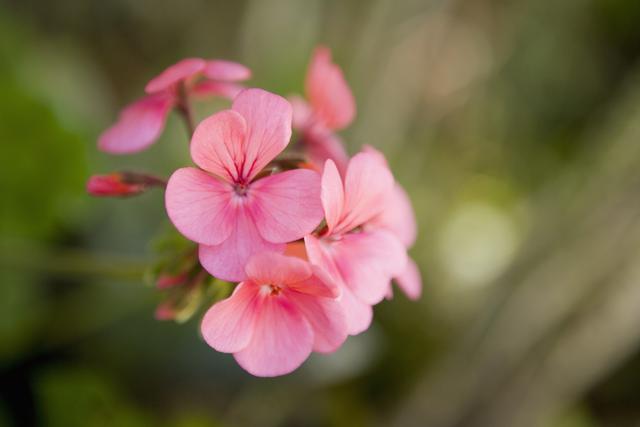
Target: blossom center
<point>241,188</point>
<point>270,290</point>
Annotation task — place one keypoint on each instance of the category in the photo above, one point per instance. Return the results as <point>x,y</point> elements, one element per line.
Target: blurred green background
<point>515,127</point>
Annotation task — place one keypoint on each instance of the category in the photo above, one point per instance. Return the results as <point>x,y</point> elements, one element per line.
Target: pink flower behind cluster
<point>142,122</point>
<point>224,206</point>
<point>329,107</point>
<point>285,309</point>
<point>361,257</point>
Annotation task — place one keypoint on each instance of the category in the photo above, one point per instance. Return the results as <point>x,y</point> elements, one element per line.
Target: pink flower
<point>142,122</point>
<point>398,217</point>
<point>274,319</point>
<point>361,257</point>
<point>225,206</point>
<point>330,107</point>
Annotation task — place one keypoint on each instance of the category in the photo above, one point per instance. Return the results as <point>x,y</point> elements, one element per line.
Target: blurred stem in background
<point>71,263</point>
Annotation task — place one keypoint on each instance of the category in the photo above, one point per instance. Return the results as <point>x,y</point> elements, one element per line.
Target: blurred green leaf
<point>43,168</point>
<point>574,417</point>
<point>190,419</point>
<point>73,397</point>
<point>21,313</point>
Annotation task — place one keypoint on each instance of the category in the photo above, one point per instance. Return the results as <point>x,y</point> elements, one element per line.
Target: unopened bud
<point>167,280</point>
<point>121,184</point>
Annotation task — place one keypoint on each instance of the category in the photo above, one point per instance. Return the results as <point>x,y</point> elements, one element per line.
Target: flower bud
<point>167,280</point>
<point>112,185</point>
<point>121,184</point>
<point>165,311</point>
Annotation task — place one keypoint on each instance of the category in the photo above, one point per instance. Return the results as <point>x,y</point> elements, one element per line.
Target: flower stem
<point>184,108</point>
<point>145,179</point>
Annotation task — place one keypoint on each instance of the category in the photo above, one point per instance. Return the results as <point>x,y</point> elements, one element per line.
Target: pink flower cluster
<point>313,238</point>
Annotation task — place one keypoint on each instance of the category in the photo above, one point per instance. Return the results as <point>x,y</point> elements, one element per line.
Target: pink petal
<point>326,317</point>
<point>367,185</point>
<point>323,146</point>
<point>389,294</point>
<point>410,281</point>
<point>138,126</point>
<point>228,71</point>
<point>268,118</point>
<point>358,313</point>
<point>277,269</point>
<point>332,195</point>
<point>282,339</point>
<point>227,260</point>
<point>209,88</point>
<point>398,216</point>
<point>200,206</point>
<point>328,92</point>
<point>302,114</point>
<point>228,325</point>
<point>320,255</point>
<point>286,206</point>
<point>320,284</point>
<point>366,148</point>
<point>217,144</point>
<point>367,261</point>
<point>175,73</point>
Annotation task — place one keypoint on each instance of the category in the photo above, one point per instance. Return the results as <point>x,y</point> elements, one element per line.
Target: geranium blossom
<point>255,217</point>
<point>398,217</point>
<point>225,206</point>
<point>283,310</point>
<point>361,257</point>
<point>329,107</point>
<point>142,122</point>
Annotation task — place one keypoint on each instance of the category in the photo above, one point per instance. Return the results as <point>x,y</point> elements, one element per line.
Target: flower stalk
<point>183,107</point>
